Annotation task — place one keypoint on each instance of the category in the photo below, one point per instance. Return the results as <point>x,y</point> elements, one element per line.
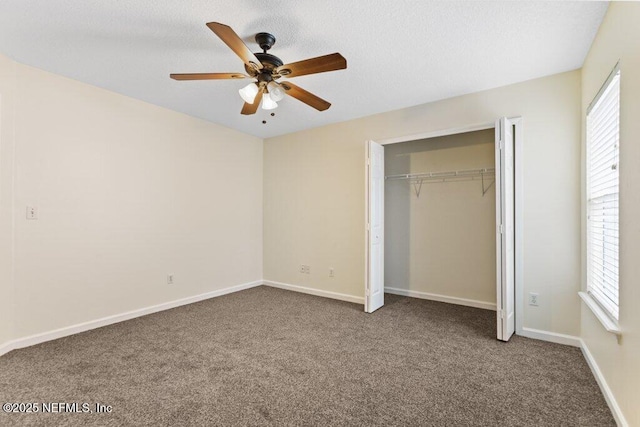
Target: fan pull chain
<point>264,122</point>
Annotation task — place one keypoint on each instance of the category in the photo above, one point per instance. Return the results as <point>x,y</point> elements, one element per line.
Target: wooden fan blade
<point>207,76</point>
<point>236,44</point>
<point>304,96</point>
<point>248,109</point>
<point>320,64</point>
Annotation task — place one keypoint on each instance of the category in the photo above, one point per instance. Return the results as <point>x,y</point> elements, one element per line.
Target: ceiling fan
<point>266,69</point>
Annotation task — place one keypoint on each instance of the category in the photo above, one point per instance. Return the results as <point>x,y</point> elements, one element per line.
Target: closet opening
<point>443,220</point>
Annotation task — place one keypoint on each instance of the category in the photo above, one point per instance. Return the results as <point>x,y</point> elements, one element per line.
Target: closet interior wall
<point>440,237</point>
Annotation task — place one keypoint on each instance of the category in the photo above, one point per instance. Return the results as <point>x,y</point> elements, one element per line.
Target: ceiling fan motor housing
<point>268,60</point>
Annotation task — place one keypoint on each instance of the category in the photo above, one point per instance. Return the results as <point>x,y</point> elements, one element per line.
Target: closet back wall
<point>443,241</point>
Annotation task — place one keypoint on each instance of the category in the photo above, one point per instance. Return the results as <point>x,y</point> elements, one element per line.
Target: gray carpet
<point>265,356</point>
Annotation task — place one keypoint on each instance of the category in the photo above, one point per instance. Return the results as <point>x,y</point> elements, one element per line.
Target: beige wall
<point>443,241</point>
<point>127,193</point>
<point>314,198</point>
<point>619,39</point>
<point>7,77</point>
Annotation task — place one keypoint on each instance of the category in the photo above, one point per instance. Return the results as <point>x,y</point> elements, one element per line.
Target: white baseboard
<point>6,347</point>
<point>441,298</point>
<point>604,387</point>
<point>550,336</point>
<point>109,320</point>
<point>317,292</point>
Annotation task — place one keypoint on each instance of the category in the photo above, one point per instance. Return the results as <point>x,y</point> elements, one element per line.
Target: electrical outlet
<point>170,279</point>
<point>331,272</point>
<point>533,299</point>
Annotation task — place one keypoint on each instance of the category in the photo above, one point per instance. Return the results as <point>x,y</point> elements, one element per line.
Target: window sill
<point>600,314</point>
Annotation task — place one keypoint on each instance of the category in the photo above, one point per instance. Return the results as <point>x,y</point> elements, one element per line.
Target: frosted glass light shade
<point>276,91</point>
<point>268,103</point>
<point>249,92</point>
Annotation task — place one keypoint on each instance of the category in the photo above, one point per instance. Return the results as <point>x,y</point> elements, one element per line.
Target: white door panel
<point>505,234</point>
<point>374,298</point>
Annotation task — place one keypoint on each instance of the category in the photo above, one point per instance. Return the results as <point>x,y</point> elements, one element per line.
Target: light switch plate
<point>32,212</point>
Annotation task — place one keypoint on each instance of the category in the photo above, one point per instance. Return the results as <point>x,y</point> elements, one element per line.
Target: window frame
<point>593,299</point>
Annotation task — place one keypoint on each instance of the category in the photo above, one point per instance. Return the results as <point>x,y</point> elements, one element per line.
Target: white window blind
<point>603,139</point>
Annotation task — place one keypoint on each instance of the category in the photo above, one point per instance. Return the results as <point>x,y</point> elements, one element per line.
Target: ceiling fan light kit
<point>249,92</point>
<point>277,93</point>
<point>266,68</point>
<point>268,103</point>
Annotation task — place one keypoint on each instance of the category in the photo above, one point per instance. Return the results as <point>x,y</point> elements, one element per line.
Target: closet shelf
<point>440,176</point>
<point>417,179</point>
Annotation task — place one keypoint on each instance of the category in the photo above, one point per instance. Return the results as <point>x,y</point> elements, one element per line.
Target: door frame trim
<point>518,197</point>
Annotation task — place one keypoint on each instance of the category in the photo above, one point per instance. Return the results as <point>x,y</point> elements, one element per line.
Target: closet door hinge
<point>501,314</point>
<point>501,228</point>
<point>366,292</point>
<point>502,144</point>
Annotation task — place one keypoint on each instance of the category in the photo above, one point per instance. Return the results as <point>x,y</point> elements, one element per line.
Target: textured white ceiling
<point>399,53</point>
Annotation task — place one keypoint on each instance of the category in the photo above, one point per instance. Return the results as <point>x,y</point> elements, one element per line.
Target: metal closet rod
<point>443,175</point>
<point>417,179</point>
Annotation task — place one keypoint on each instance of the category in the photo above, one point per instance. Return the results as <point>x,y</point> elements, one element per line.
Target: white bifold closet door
<point>374,298</point>
<point>505,234</point>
